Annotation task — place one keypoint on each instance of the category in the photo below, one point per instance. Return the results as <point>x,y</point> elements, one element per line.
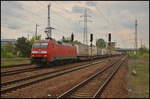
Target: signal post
<point>91,40</point>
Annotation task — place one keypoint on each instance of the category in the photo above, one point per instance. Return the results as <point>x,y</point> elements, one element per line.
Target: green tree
<point>23,46</point>
<point>9,47</point>
<point>34,38</point>
<point>68,40</point>
<point>65,39</point>
<point>143,50</point>
<point>8,50</point>
<point>76,42</point>
<point>101,43</point>
<point>2,51</point>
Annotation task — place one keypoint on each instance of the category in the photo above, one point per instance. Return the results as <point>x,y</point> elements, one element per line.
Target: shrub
<point>139,55</point>
<point>9,55</point>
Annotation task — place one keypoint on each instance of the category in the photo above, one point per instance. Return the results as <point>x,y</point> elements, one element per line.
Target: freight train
<point>49,51</point>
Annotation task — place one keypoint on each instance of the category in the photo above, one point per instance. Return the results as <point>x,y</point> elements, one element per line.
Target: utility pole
<point>136,36</point>
<point>141,43</point>
<point>36,31</point>
<point>85,20</point>
<point>48,29</point>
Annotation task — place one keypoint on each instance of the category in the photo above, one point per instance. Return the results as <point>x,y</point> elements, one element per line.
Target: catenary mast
<point>48,29</point>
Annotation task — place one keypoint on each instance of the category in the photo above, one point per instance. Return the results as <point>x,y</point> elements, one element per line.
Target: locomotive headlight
<point>34,52</point>
<point>44,52</point>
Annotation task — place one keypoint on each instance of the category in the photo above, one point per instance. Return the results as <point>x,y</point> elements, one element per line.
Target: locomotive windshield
<point>40,45</point>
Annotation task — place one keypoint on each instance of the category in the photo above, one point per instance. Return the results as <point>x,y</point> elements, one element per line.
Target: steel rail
<point>27,78</point>
<point>11,66</point>
<point>86,80</point>
<point>18,65</point>
<point>7,73</point>
<point>101,89</point>
<point>54,74</point>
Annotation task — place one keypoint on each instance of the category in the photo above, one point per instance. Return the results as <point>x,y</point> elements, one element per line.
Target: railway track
<point>17,71</point>
<point>26,69</point>
<point>19,83</point>
<point>93,86</point>
<point>12,72</point>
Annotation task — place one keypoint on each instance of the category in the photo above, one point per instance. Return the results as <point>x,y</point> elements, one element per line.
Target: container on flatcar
<point>99,51</point>
<point>92,51</point>
<point>82,50</point>
<point>104,51</point>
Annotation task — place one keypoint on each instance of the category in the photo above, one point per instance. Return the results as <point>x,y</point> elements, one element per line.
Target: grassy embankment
<point>139,83</point>
<point>14,61</point>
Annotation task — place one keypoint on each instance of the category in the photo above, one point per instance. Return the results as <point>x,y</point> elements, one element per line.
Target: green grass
<point>140,82</point>
<point>138,55</point>
<point>14,61</point>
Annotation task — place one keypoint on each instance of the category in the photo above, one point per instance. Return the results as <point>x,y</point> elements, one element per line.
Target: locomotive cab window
<point>40,45</point>
<point>44,45</point>
<point>36,45</point>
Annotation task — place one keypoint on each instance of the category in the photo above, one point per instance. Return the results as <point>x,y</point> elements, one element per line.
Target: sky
<point>19,18</point>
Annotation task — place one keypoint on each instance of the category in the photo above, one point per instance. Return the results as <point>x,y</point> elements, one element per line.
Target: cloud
<point>80,10</point>
<point>20,17</point>
<point>91,3</point>
<point>10,33</point>
<point>77,9</point>
<point>13,27</point>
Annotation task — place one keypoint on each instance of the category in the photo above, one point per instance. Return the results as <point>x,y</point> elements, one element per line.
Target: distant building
<point>5,41</point>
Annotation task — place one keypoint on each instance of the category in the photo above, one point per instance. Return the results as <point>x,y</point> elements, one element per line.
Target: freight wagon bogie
<point>39,61</point>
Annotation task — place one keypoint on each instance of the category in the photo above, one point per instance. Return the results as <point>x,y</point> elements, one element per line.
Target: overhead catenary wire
<point>109,22</point>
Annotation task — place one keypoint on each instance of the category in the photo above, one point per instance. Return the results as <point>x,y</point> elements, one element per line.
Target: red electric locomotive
<point>47,51</point>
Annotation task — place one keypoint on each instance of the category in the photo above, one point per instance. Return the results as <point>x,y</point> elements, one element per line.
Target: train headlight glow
<point>34,52</point>
<point>45,55</point>
<point>44,52</point>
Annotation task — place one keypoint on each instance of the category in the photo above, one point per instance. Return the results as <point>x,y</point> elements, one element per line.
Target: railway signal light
<point>72,37</point>
<point>91,37</point>
<point>63,38</point>
<point>109,37</point>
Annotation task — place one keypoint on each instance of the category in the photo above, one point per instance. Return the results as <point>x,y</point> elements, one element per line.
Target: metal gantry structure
<point>48,29</point>
<point>85,20</point>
